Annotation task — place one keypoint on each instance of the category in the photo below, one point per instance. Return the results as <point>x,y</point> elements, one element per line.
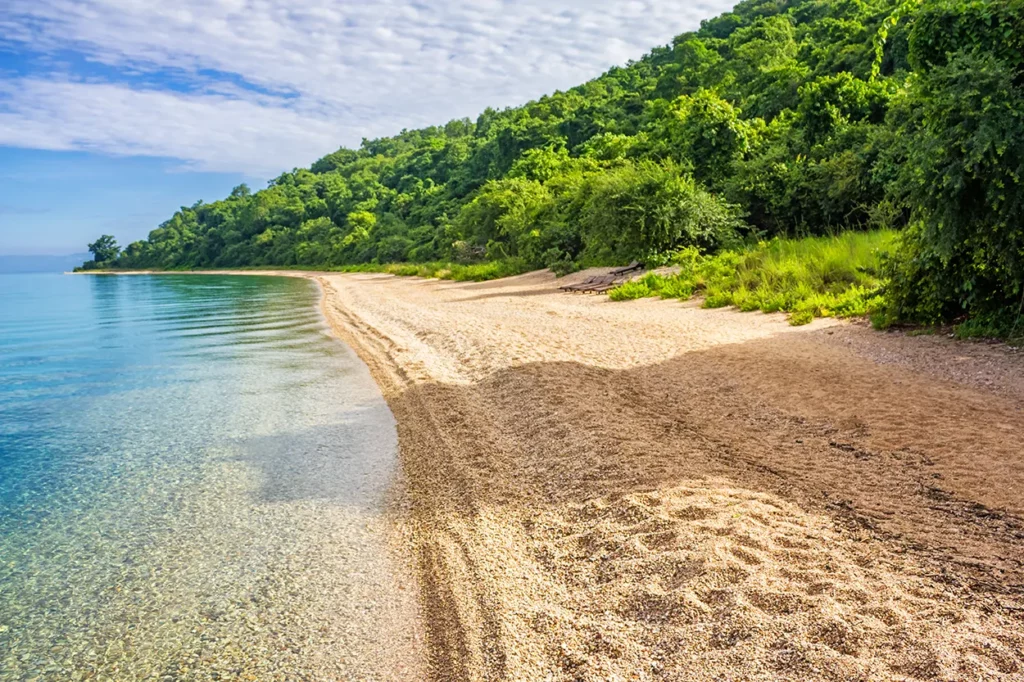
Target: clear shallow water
<point>191,479</point>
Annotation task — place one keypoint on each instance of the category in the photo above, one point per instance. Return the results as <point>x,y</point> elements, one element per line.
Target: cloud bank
<point>258,86</point>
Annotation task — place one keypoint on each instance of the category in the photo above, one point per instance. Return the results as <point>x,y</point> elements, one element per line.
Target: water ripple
<point>174,451</point>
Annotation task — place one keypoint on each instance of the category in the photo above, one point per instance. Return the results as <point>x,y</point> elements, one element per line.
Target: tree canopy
<point>104,249</point>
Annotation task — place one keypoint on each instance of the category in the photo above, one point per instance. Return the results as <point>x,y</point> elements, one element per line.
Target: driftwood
<point>599,284</point>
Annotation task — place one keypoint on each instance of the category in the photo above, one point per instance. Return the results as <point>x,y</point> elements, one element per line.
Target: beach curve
<point>651,490</point>
<point>656,491</point>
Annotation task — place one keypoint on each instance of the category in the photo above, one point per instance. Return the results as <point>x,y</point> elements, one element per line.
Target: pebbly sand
<point>653,491</point>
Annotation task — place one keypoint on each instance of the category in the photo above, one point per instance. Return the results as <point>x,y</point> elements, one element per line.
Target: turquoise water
<point>191,470</point>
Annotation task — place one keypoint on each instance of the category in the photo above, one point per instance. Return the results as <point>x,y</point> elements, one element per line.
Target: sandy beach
<point>651,490</point>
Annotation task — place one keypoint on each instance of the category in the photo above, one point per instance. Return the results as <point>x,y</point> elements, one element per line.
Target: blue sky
<point>113,113</point>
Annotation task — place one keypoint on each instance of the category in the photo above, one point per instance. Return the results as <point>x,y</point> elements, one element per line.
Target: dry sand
<point>653,491</point>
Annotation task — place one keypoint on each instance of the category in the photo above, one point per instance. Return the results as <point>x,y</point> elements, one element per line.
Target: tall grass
<point>807,278</point>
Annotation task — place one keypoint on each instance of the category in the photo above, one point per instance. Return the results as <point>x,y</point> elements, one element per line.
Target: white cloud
<point>209,132</point>
<point>330,72</point>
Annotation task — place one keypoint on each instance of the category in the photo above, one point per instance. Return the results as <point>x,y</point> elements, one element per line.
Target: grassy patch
<point>807,278</point>
<point>646,286</point>
<point>476,272</point>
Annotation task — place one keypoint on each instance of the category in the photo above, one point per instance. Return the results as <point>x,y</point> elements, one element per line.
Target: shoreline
<point>536,520</point>
<point>594,490</point>
<point>220,504</point>
<point>403,657</point>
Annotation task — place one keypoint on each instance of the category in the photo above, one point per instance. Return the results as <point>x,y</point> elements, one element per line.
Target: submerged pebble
<point>192,487</point>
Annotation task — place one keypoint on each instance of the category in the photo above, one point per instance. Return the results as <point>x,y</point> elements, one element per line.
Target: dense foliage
<point>962,123</point>
<point>782,117</point>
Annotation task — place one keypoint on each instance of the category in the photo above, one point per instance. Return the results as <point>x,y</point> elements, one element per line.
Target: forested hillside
<point>782,117</point>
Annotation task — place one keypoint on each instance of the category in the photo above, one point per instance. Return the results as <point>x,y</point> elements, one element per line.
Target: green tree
<point>711,135</point>
<point>830,102</point>
<point>104,249</point>
<point>240,191</point>
<point>503,212</point>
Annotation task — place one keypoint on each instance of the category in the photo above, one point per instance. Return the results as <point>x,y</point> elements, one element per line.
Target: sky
<point>114,113</point>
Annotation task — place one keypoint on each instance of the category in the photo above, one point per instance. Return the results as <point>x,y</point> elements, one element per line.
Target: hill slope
<point>780,117</point>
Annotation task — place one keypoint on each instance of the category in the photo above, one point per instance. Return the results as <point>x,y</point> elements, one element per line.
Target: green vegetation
<point>105,252</point>
<point>807,278</point>
<point>782,118</point>
<point>476,272</point>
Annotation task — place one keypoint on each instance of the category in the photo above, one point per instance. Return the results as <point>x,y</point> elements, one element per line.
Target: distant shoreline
<point>282,273</point>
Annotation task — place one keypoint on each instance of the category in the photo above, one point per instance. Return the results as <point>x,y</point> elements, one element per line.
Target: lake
<point>193,485</point>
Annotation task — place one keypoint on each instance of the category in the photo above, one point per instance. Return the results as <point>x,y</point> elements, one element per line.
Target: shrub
<point>647,208</point>
<point>559,263</point>
<point>801,317</point>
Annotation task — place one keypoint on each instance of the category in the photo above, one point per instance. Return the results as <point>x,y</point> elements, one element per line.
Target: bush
<point>485,271</point>
<point>393,249</point>
<point>475,272</point>
<point>559,263</point>
<point>502,212</point>
<point>646,208</point>
<point>801,317</point>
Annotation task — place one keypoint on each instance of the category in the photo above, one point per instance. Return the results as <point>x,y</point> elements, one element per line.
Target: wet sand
<point>653,491</point>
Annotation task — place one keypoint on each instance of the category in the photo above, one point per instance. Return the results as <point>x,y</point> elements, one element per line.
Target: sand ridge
<point>654,491</point>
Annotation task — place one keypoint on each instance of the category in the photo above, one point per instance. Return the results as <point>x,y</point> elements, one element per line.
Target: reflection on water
<point>191,474</point>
